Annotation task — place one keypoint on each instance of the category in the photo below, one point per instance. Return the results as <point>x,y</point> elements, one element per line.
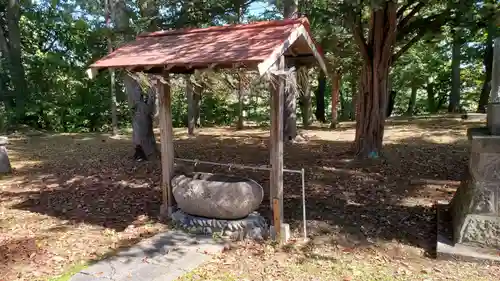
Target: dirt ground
<point>76,197</point>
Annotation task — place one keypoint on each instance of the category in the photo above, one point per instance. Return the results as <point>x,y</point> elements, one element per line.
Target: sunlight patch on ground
<point>80,196</point>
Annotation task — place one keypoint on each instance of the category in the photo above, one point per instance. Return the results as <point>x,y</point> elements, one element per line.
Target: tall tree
<point>112,86</point>
<point>10,46</point>
<point>290,10</point>
<point>489,15</point>
<point>488,67</point>
<point>305,95</point>
<point>336,80</point>
<point>320,98</point>
<point>456,46</point>
<point>392,29</point>
<point>140,90</point>
<point>341,54</point>
<point>413,100</point>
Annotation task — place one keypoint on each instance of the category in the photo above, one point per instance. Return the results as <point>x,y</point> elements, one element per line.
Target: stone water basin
<point>216,195</point>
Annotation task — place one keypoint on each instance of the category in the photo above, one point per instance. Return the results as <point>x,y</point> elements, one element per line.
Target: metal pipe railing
<point>237,166</point>
<point>260,168</point>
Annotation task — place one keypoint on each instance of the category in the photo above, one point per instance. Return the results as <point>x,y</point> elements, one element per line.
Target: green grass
<point>70,272</point>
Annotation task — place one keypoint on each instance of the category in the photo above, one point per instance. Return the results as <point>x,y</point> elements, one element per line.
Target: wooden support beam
<point>167,144</point>
<point>276,147</point>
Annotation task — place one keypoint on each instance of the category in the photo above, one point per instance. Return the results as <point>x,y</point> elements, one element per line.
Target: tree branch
<point>401,11</point>
<point>49,47</point>
<point>407,46</point>
<point>359,37</point>
<point>423,25</point>
<point>4,46</point>
<point>391,17</point>
<point>410,15</point>
<point>228,82</point>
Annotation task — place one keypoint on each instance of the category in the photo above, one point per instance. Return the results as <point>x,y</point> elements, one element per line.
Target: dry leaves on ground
<point>76,197</point>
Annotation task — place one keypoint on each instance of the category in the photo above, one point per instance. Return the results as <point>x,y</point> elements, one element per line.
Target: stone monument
<point>475,208</point>
<point>5,167</point>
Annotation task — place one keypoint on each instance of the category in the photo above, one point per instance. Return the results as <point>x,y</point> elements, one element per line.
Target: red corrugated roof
<point>245,43</point>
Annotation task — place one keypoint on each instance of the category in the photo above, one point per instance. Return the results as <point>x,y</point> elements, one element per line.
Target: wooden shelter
<point>263,46</point>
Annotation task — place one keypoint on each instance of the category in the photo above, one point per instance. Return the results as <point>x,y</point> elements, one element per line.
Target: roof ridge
<point>257,24</point>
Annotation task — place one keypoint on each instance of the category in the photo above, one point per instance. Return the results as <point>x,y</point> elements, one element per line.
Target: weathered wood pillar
<point>167,144</point>
<point>276,151</point>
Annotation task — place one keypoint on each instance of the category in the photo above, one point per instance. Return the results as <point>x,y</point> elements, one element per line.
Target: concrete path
<point>165,257</point>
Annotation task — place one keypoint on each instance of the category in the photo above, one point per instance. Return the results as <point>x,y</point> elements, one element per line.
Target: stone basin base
<point>254,226</point>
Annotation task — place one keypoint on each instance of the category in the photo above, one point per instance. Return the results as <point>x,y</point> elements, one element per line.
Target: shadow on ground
<point>94,180</point>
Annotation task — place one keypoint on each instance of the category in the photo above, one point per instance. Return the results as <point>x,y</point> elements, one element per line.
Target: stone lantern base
<point>475,208</point>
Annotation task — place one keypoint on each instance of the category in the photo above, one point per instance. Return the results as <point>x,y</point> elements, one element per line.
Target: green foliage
<point>59,39</point>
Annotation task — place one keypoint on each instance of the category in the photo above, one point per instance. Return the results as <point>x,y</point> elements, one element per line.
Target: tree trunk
<point>372,101</point>
<point>16,67</point>
<point>454,105</point>
<point>345,107</point>
<point>354,93</point>
<point>412,101</point>
<point>290,9</point>
<point>198,91</point>
<point>320,98</point>
<point>112,86</point>
<point>290,100</point>
<point>305,96</point>
<point>290,109</point>
<point>372,111</point>
<point>149,10</point>
<point>488,66</point>
<point>143,107</point>
<point>391,103</point>
<point>431,98</point>
<point>241,89</point>
<point>495,81</point>
<point>191,121</point>
<point>142,102</point>
<point>336,80</point>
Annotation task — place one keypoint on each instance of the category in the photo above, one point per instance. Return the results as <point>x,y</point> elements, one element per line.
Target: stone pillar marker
<point>475,208</point>
<point>4,157</point>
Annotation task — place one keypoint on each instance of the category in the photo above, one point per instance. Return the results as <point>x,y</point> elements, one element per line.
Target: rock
<point>5,166</point>
<point>255,233</point>
<point>216,196</point>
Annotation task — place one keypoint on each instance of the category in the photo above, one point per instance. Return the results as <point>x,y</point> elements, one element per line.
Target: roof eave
<point>281,49</point>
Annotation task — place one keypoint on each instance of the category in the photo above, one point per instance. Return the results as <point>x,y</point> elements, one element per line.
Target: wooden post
<point>276,145</point>
<point>167,145</point>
